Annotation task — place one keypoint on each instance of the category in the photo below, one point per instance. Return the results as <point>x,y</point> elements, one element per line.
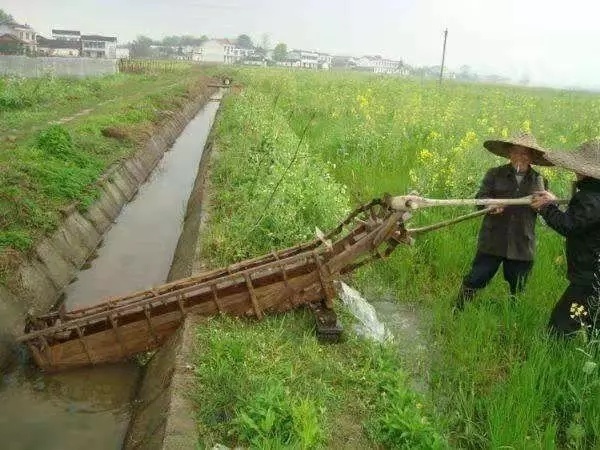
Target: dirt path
<point>16,135</point>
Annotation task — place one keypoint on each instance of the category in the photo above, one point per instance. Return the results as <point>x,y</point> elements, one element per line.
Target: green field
<point>297,150</point>
<point>58,135</point>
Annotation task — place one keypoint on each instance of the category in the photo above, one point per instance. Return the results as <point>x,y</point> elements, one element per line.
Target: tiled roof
<point>70,32</point>
<point>96,37</point>
<point>58,43</point>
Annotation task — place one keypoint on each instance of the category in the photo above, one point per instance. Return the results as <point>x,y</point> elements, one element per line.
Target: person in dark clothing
<point>580,225</point>
<point>507,235</point>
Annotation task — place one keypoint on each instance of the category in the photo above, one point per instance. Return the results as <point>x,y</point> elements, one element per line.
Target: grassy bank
<point>270,384</point>
<point>497,381</point>
<point>57,136</point>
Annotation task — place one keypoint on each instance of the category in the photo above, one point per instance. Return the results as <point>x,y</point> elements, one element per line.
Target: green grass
<point>272,385</point>
<point>497,380</point>
<point>45,167</point>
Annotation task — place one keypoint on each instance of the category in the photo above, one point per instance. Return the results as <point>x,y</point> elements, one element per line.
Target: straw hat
<point>501,147</point>
<point>584,160</point>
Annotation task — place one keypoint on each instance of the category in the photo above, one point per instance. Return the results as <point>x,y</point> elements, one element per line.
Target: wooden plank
<point>115,327</point>
<point>216,297</point>
<point>147,313</point>
<point>266,277</point>
<point>139,337</point>
<point>46,349</point>
<point>223,274</point>
<point>325,280</point>
<point>181,306</point>
<point>253,298</point>
<point>83,344</point>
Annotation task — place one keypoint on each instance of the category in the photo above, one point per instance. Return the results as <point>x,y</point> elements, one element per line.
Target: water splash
<point>369,325</point>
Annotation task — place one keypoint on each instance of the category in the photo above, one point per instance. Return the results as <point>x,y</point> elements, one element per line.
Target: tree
<point>11,48</point>
<point>177,41</point>
<point>5,17</point>
<point>244,41</point>
<point>140,48</point>
<point>171,41</point>
<point>280,52</point>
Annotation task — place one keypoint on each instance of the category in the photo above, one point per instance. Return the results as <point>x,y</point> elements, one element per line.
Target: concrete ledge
<point>38,282</point>
<point>24,66</point>
<point>164,417</point>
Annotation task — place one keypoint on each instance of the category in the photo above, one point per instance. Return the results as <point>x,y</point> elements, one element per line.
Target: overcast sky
<point>552,42</point>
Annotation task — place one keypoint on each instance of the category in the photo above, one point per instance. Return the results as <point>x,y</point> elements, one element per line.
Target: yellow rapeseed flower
<point>425,155</point>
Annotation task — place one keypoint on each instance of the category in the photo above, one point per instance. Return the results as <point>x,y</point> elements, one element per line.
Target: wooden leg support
<point>329,329</point>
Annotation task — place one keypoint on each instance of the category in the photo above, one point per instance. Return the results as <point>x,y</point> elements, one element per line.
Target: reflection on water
<point>90,408</point>
<point>82,409</point>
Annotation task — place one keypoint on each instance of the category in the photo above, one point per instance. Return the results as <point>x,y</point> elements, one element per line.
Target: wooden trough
<point>121,327</point>
<point>302,275</point>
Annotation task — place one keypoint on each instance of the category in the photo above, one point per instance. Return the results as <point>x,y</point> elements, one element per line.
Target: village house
<point>325,61</point>
<point>192,52</point>
<point>221,51</point>
<point>73,43</point>
<point>58,47</point>
<point>66,35</point>
<point>18,38</point>
<point>377,64</point>
<point>96,46</point>
<point>304,59</point>
<point>343,62</point>
<point>11,45</point>
<point>255,60</point>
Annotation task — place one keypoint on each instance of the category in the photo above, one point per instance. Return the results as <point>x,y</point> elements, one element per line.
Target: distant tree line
<point>142,46</point>
<point>147,47</point>
<point>5,17</point>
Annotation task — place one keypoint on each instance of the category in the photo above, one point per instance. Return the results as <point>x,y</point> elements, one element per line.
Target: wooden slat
<point>216,297</point>
<point>124,310</point>
<point>81,340</point>
<point>147,313</point>
<point>181,306</point>
<point>115,327</point>
<point>139,338</point>
<point>325,281</point>
<point>252,295</point>
<point>274,282</point>
<point>147,296</point>
<point>46,349</point>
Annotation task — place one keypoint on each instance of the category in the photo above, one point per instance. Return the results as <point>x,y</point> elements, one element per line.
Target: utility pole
<point>443,56</point>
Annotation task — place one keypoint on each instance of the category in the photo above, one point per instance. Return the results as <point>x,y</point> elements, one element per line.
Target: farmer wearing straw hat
<point>507,235</point>
<point>580,225</point>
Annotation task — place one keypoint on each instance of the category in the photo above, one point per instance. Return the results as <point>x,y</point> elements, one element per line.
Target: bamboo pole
<point>407,202</point>
<point>449,222</point>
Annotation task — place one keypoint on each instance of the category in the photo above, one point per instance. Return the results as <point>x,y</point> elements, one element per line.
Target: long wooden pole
<point>407,202</point>
<point>446,223</point>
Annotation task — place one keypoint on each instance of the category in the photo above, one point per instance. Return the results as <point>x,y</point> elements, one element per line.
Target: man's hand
<point>542,198</point>
<point>497,210</point>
